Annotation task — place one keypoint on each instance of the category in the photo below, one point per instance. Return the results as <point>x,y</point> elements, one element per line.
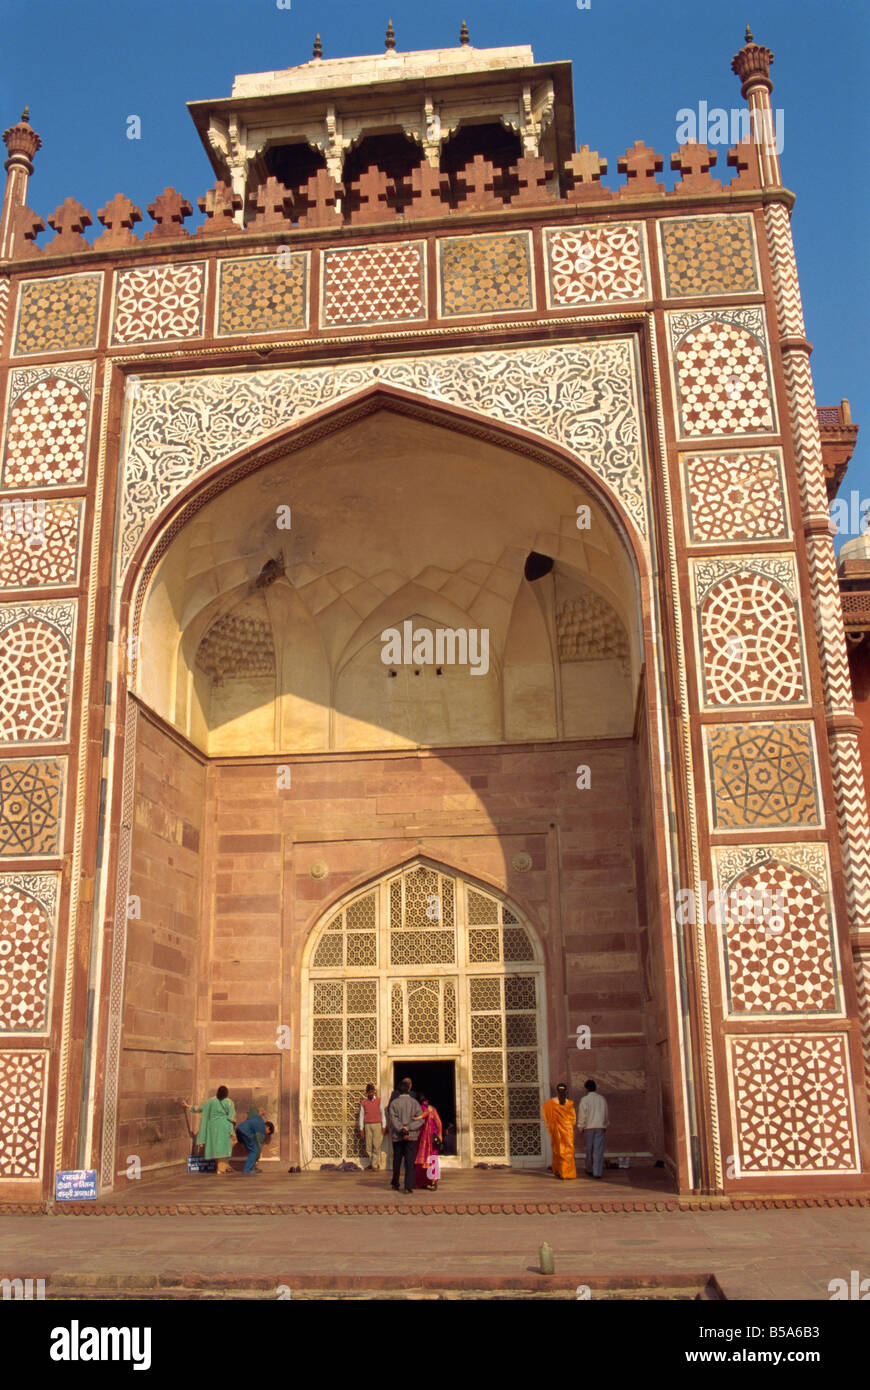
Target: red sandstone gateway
<point>444,378</point>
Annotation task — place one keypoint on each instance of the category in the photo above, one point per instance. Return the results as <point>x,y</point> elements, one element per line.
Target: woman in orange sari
<point>561,1122</point>
<point>427,1164</point>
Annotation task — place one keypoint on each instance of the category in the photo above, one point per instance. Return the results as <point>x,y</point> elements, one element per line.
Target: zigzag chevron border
<point>785,277</point>
<point>862,985</point>
<point>829,622</point>
<point>4,304</point>
<point>851,800</point>
<point>805,431</point>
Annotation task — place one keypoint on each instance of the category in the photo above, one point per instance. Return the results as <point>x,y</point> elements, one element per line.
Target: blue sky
<point>85,67</point>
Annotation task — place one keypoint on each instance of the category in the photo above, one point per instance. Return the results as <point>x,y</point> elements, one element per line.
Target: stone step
<point>665,1293</point>
<point>73,1287</point>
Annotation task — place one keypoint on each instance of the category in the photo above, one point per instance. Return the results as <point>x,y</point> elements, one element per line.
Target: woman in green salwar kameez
<point>217,1127</point>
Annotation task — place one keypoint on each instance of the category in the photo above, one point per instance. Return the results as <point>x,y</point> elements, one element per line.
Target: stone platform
<point>461,1192</point>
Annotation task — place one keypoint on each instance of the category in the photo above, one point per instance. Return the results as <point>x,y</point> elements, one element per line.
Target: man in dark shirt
<point>406,1119</point>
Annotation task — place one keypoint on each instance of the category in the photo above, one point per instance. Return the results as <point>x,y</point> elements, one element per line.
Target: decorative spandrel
<point>584,397</point>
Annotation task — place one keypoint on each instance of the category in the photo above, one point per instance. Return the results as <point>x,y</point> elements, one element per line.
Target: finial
<point>752,64</point>
<point>391,36</point>
<point>22,141</point>
<point>463,34</point>
<point>318,47</point>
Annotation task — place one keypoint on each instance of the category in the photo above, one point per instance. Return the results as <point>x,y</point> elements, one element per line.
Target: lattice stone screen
<point>423,965</point>
<point>505,1079</point>
<point>344,1040</point>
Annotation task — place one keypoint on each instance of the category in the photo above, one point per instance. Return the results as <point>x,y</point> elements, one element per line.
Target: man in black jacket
<point>406,1119</point>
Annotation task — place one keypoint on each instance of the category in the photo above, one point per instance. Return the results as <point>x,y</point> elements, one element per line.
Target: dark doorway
<point>437,1082</point>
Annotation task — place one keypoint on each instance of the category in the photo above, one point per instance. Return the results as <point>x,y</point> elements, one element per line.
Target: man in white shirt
<point>592,1121</point>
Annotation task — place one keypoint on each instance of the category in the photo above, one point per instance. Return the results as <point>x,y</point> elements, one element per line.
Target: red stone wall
<point>159,1035</point>
<point>362,815</point>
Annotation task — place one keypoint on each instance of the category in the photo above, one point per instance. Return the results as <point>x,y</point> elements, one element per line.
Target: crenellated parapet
<point>375,198</point>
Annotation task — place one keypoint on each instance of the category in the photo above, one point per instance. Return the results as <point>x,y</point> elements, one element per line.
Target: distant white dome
<point>858,548</point>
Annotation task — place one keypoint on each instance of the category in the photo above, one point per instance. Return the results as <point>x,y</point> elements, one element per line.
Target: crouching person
<point>252,1133</point>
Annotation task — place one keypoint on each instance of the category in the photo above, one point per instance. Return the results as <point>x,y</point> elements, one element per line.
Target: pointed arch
<point>425,963</point>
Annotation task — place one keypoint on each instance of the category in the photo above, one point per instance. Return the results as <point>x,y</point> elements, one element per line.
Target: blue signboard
<point>76,1185</point>
<point>201,1165</point>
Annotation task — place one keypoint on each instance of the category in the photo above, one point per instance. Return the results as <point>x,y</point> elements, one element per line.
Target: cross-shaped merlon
<point>272,203</point>
<point>118,217</point>
<point>479,180</point>
<point>533,174</point>
<point>69,221</point>
<point>219,204</point>
<point>321,194</point>
<point>428,188</point>
<point>585,166</point>
<point>168,210</point>
<point>27,229</point>
<point>640,164</point>
<point>584,170</point>
<point>744,158</point>
<point>372,186</point>
<point>693,161</point>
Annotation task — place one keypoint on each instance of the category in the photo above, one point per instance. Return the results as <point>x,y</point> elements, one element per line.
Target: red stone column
<point>22,142</point>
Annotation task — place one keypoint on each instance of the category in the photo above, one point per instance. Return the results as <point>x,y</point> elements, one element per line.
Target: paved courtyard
<point>771,1252</point>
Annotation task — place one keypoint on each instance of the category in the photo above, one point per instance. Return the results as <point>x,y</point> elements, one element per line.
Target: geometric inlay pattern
<point>750,632</point>
<point>35,654</point>
<point>708,255</point>
<point>39,542</point>
<point>31,797</point>
<point>263,294</point>
<point>22,1080</point>
<point>47,435</point>
<point>27,911</point>
<point>735,497</point>
<point>721,372</point>
<point>182,426</point>
<point>374,284</point>
<point>158,301</point>
<point>58,315</point>
<point>793,1104</point>
<point>762,775</point>
<point>22,1084</point>
<point>778,942</point>
<point>595,264</point>
<point>486,274</point>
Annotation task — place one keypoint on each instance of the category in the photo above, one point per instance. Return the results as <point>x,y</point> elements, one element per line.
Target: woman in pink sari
<point>427,1164</point>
